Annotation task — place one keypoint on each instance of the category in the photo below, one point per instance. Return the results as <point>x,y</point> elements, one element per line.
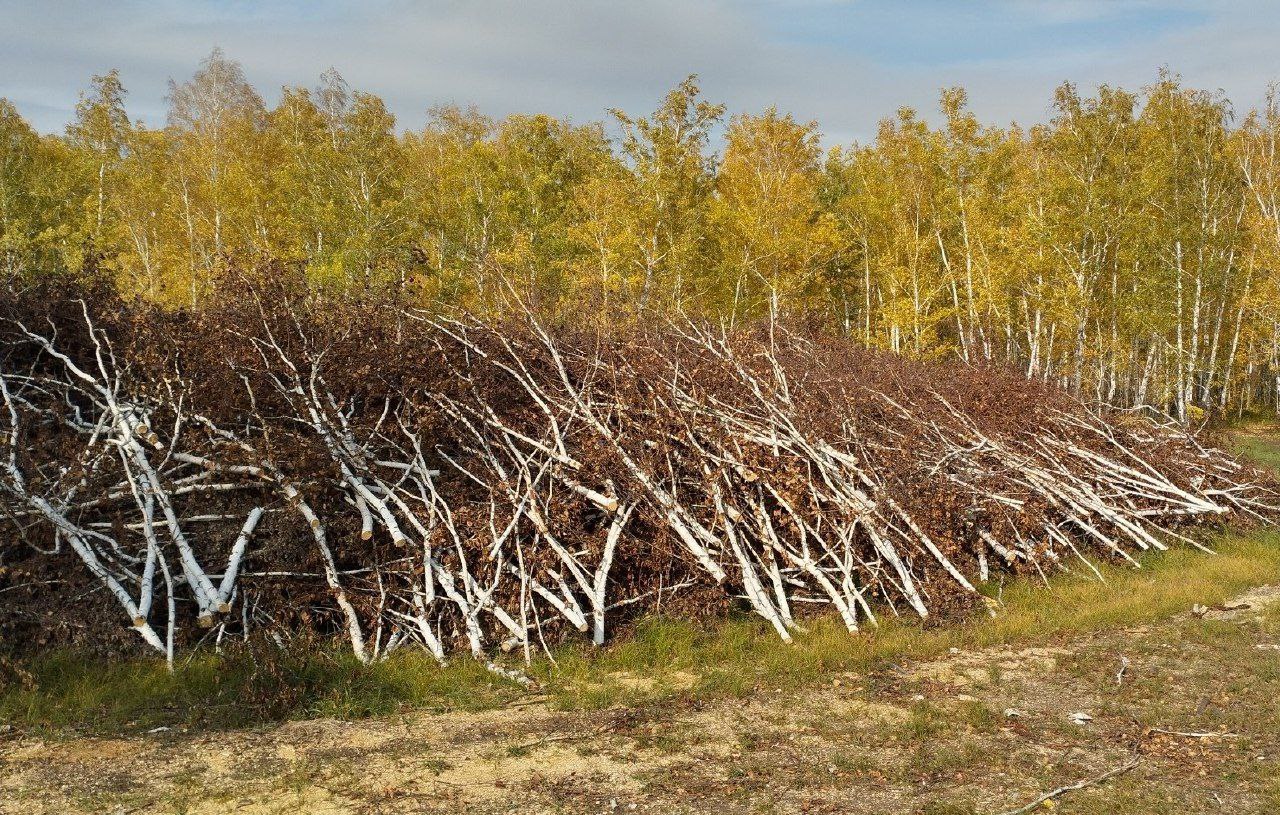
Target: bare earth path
<point>973,732</point>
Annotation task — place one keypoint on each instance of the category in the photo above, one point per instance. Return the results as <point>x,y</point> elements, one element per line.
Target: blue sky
<point>845,63</point>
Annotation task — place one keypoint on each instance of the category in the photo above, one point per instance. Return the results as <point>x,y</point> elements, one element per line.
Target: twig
<point>1194,734</point>
<point>1079,785</point>
<point>555,737</point>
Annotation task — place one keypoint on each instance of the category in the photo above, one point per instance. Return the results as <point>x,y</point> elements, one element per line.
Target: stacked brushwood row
<point>279,462</point>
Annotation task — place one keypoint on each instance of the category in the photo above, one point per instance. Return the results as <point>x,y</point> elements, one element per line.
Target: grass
<point>241,688</point>
<point>1258,442</point>
<point>662,660</point>
<point>741,656</point>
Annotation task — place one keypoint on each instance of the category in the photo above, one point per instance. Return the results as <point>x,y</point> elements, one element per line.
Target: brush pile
<point>283,463</point>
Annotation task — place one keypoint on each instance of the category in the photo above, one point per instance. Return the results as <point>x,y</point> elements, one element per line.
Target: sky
<point>844,63</point>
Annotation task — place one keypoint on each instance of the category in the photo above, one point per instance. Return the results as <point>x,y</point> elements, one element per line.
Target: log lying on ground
<point>281,463</point>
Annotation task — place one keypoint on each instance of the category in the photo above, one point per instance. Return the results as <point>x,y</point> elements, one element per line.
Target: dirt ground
<point>1192,699</point>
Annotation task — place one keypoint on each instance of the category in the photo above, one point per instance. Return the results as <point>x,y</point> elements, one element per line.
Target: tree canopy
<point>1126,248</point>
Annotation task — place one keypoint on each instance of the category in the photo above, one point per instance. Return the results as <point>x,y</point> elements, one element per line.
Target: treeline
<point>1126,249</point>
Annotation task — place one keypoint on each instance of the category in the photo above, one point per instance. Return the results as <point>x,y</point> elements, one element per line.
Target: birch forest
<point>1126,249</point>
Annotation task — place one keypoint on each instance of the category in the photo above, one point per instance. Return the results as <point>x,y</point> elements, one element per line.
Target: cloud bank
<point>844,64</point>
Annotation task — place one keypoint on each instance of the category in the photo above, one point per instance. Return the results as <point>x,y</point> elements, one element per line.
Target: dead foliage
<point>287,463</point>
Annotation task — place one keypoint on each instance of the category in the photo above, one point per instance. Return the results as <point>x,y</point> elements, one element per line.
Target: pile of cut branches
<point>278,462</point>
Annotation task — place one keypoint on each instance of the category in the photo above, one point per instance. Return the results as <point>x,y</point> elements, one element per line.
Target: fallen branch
<point>1194,734</point>
<point>1079,785</point>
